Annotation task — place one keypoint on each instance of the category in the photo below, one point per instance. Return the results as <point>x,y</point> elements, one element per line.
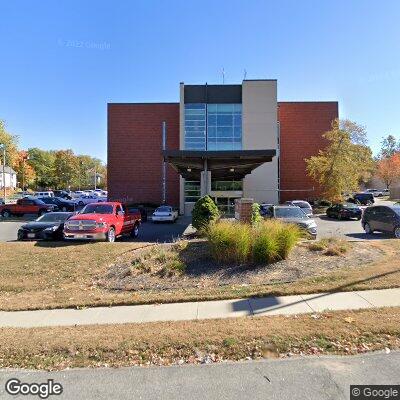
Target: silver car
<point>304,205</point>
<point>294,215</point>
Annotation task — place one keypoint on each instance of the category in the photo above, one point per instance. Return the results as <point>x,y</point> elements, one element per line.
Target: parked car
<point>294,215</point>
<point>102,221</point>
<point>265,209</point>
<point>62,204</point>
<point>344,211</point>
<point>386,192</point>
<point>49,226</point>
<point>165,213</point>
<point>89,198</point>
<point>49,193</point>
<point>27,205</point>
<point>362,198</point>
<point>304,205</point>
<point>62,194</point>
<point>382,219</point>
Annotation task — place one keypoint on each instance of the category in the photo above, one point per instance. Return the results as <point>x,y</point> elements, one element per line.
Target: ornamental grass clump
<point>230,242</point>
<point>264,242</point>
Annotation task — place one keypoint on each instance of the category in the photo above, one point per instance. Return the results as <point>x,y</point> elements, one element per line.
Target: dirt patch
<point>190,265</point>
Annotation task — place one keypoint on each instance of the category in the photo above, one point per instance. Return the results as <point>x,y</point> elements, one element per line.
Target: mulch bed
<point>203,272</point>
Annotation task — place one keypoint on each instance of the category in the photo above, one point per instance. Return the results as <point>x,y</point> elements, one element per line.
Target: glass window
<point>195,126</point>
<point>192,191</point>
<point>224,126</point>
<point>226,185</point>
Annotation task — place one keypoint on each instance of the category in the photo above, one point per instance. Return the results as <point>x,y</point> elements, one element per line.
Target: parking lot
<point>168,232</point>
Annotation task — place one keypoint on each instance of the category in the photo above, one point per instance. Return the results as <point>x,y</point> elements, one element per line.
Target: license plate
<point>79,236</point>
<point>31,235</point>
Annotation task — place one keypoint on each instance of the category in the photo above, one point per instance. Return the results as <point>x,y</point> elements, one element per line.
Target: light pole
<point>24,158</point>
<point>4,172</point>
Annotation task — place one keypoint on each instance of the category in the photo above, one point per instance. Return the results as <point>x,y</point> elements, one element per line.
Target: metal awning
<point>226,164</point>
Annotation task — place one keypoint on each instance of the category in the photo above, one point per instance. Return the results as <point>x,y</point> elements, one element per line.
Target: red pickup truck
<point>26,206</point>
<point>102,221</point>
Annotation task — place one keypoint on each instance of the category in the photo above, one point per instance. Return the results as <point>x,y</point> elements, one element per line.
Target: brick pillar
<point>243,209</point>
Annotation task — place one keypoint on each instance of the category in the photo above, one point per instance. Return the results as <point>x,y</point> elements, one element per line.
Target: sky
<point>61,62</point>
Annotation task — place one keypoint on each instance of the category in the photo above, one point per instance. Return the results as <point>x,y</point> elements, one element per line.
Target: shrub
<point>330,246</point>
<point>265,247</point>
<point>256,217</point>
<point>204,212</point>
<point>230,241</point>
<point>266,242</point>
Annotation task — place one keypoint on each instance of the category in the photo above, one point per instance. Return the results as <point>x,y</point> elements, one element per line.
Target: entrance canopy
<point>226,164</point>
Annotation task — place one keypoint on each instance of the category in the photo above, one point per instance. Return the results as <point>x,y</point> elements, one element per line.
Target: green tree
<point>389,147</point>
<point>88,167</point>
<point>66,169</point>
<point>344,163</point>
<point>42,161</point>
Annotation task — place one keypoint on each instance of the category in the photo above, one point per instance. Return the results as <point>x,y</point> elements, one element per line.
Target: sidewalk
<point>284,305</point>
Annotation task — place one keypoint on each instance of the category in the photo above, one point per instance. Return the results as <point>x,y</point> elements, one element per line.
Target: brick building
<point>228,141</point>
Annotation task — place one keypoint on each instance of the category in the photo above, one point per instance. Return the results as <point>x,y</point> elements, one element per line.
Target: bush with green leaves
<point>266,242</point>
<point>204,212</point>
<point>256,217</point>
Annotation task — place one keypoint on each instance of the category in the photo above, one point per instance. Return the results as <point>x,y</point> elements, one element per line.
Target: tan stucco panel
<point>260,131</point>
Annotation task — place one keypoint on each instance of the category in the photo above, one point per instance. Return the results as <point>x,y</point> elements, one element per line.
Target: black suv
<point>382,219</point>
<point>362,198</point>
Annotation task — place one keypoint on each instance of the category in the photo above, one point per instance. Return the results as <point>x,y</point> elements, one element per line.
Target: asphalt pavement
<point>302,378</point>
<point>168,232</point>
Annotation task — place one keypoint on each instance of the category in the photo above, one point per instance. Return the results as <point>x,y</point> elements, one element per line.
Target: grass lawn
<point>166,343</point>
<point>46,275</point>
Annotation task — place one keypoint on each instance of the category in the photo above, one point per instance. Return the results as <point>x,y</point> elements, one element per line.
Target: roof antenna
<point>244,74</point>
<point>223,76</point>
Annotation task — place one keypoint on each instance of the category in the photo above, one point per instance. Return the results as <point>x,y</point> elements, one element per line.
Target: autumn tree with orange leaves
<point>388,169</point>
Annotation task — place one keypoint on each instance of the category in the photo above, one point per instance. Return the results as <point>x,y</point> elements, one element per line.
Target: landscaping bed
<point>189,264</point>
<point>74,275</point>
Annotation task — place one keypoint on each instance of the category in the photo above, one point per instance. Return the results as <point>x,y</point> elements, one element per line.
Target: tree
<point>389,147</point>
<point>204,212</point>
<point>25,173</point>
<point>66,169</point>
<point>42,161</point>
<point>344,163</point>
<point>11,143</point>
<point>389,169</point>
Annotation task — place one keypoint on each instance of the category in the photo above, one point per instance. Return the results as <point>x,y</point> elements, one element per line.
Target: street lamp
<point>3,146</point>
<point>24,158</point>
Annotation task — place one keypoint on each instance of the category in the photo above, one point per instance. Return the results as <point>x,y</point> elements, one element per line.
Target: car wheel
<point>135,231</point>
<point>20,236</point>
<point>397,232</point>
<point>368,230</point>
<point>6,214</point>
<point>110,235</point>
<point>80,203</point>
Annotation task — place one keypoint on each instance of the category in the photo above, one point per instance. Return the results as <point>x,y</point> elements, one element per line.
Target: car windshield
<point>349,205</point>
<point>39,202</point>
<point>289,212</point>
<point>53,217</point>
<point>301,204</point>
<point>97,209</point>
<point>163,209</point>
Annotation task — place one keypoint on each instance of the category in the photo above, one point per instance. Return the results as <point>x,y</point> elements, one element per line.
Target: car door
<point>378,219</point>
<point>387,219</point>
<point>129,220</point>
<point>119,220</point>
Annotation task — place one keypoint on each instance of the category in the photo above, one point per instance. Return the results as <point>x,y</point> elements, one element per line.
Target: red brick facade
<point>134,152</point>
<point>134,149</point>
<point>302,125</point>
